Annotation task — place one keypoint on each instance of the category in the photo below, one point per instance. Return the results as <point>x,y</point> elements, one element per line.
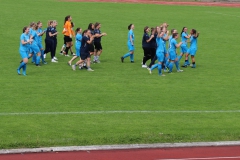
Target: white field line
<point>238,157</point>
<point>119,147</point>
<point>113,112</point>
<point>223,14</point>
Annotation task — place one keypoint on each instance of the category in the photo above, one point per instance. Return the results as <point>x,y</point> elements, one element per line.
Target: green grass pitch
<point>113,86</point>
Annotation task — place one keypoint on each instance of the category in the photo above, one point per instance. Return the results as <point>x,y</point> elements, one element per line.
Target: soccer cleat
<point>73,67</point>
<point>98,61</point>
<point>132,61</point>
<point>69,63</point>
<point>80,67</point>
<point>150,71</point>
<point>162,75</point>
<point>18,71</point>
<point>54,61</point>
<point>184,66</point>
<point>90,69</point>
<point>73,54</point>
<point>85,67</point>
<point>55,58</point>
<point>66,55</point>
<point>144,66</point>
<point>44,62</point>
<point>122,59</point>
<point>179,70</point>
<point>37,65</point>
<point>193,66</point>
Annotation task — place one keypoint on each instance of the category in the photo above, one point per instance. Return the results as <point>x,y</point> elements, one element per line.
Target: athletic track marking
<point>204,158</point>
<point>113,112</point>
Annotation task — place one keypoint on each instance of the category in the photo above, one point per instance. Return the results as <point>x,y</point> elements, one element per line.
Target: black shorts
<point>84,55</point>
<point>91,47</point>
<point>67,39</point>
<point>98,45</point>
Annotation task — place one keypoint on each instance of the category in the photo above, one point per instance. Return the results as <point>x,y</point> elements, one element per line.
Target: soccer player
<point>160,52</point>
<point>146,46</point>
<point>54,33</point>
<point>130,44</point>
<point>25,41</point>
<point>172,53</point>
<point>153,46</point>
<point>84,50</point>
<point>97,42</point>
<point>193,46</point>
<point>184,48</point>
<point>91,46</point>
<point>34,45</point>
<point>68,33</point>
<point>40,33</point>
<point>77,45</point>
<point>49,42</point>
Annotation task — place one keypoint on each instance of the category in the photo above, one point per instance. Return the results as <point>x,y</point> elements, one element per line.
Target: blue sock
<point>170,66</point>
<point>177,65</point>
<point>34,58</point>
<point>166,64</point>
<point>37,60</point>
<point>160,69</point>
<point>21,65</point>
<point>42,55</point>
<point>179,58</point>
<point>126,55</point>
<point>131,57</point>
<point>154,66</point>
<point>24,69</point>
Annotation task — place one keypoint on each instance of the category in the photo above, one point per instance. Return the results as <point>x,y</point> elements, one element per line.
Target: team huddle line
<point>88,43</point>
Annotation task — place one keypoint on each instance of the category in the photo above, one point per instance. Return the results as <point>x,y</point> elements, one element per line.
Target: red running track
<point>193,153</point>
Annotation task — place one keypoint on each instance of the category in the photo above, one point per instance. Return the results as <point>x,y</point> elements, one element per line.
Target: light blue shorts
<point>160,56</point>
<point>172,55</point>
<point>184,49</point>
<point>35,48</point>
<point>192,51</point>
<point>130,47</point>
<point>23,54</point>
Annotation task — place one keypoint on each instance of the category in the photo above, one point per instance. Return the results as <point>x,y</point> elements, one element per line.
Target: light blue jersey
<point>160,49</point>
<point>193,46</point>
<point>184,39</point>
<point>130,34</point>
<point>25,38</point>
<point>34,37</point>
<point>169,41</point>
<point>130,46</point>
<point>78,44</point>
<point>78,40</point>
<point>160,44</point>
<point>193,42</point>
<point>173,44</point>
<point>39,37</point>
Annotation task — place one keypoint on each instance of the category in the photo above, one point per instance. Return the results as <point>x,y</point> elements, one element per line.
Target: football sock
<point>170,66</point>
<point>131,57</point>
<point>160,69</point>
<point>37,60</point>
<point>24,69</point>
<point>154,66</point>
<point>126,55</point>
<point>21,65</point>
<point>177,65</point>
